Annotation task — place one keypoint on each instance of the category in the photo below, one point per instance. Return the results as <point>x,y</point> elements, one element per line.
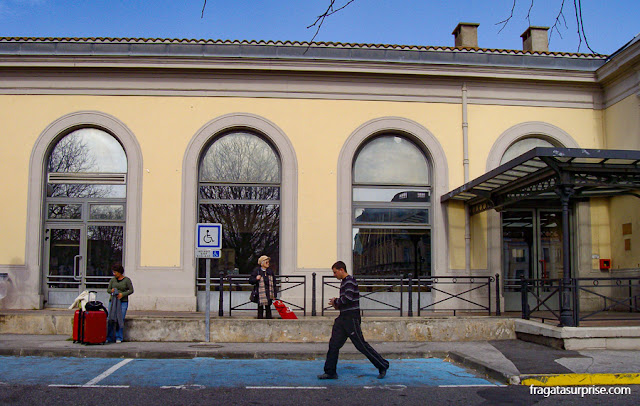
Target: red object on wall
<point>605,264</point>
<point>284,311</point>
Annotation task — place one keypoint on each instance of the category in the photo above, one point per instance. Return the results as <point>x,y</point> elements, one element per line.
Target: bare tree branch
<point>506,20</point>
<point>557,21</point>
<point>529,12</point>
<point>330,11</point>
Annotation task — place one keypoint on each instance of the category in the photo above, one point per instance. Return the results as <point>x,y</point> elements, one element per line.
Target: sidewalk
<point>507,361</point>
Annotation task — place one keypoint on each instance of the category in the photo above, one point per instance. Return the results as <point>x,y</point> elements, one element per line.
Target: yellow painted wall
<point>164,126</point>
<point>317,130</point>
<point>622,124</point>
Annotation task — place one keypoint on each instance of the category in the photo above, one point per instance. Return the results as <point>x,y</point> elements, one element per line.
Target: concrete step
<point>190,327</point>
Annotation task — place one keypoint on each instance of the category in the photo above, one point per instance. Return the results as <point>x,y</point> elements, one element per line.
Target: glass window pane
<point>104,248</point>
<point>88,150</point>
<point>80,190</point>
<point>391,160</point>
<point>521,146</point>
<point>388,215</point>
<point>106,212</point>
<point>240,192</point>
<point>391,252</point>
<point>390,195</point>
<point>64,211</point>
<point>64,246</point>
<point>250,230</point>
<point>240,157</point>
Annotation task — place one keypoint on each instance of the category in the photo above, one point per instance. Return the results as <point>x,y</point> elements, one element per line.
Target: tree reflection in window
<point>84,152</point>
<point>240,189</point>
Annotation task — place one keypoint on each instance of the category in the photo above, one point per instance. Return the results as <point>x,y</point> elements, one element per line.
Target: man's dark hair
<point>117,268</point>
<point>339,265</point>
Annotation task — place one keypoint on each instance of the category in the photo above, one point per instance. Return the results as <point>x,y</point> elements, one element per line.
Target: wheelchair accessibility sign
<point>209,236</point>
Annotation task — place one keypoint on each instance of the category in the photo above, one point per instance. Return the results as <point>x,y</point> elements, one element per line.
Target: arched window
<point>523,145</point>
<point>239,187</point>
<point>85,206</point>
<point>391,208</point>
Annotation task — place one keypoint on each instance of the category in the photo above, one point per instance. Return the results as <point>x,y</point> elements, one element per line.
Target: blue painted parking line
<point>52,371</point>
<point>210,372</point>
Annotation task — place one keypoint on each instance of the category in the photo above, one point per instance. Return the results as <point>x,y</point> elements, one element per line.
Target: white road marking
<point>108,372</point>
<point>468,386</point>
<point>87,386</point>
<point>192,386</point>
<point>285,387</point>
<point>387,387</point>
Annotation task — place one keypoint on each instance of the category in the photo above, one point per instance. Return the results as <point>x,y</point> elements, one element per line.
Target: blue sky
<point>608,24</point>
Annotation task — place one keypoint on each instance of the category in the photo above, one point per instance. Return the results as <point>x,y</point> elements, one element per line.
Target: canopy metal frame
<point>559,175</point>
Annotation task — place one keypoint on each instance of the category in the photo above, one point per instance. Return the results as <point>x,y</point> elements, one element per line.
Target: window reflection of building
<point>391,202</point>
<point>239,187</point>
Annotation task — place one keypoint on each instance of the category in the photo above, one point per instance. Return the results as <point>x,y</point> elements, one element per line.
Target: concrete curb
<point>598,379</point>
<point>479,366</point>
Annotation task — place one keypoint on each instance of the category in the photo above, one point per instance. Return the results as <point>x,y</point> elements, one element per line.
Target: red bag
<point>90,326</point>
<point>284,311</point>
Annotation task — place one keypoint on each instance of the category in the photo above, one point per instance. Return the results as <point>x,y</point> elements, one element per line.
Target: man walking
<point>348,325</point>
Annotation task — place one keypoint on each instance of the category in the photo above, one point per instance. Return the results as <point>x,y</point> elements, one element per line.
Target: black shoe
<point>328,376</point>
<point>382,372</point>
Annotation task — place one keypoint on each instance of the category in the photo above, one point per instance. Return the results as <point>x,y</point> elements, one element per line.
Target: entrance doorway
<point>78,257</point>
<point>531,249</point>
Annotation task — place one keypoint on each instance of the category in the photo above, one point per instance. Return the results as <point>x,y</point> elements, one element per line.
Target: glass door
<point>64,264</point>
<point>531,248</point>
<point>78,258</point>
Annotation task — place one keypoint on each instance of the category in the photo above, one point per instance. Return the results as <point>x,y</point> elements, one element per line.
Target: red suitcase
<point>284,310</point>
<point>90,327</point>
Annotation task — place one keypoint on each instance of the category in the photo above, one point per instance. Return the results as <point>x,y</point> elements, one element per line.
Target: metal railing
<point>618,297</point>
<point>625,301</point>
<point>372,288</point>
<point>544,294</point>
<point>469,284</point>
<point>239,286</point>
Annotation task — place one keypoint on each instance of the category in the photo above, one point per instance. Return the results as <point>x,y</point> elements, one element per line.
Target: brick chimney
<point>466,35</point>
<point>535,39</point>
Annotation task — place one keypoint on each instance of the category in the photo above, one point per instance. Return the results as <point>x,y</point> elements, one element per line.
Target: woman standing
<point>120,287</point>
<point>264,282</point>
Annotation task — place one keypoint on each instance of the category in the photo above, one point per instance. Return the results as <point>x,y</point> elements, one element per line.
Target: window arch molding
<point>37,170</point>
<point>432,149</point>
<point>530,129</point>
<point>289,182</point>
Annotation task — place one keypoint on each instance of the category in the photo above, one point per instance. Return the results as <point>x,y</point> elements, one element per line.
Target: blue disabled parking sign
<point>209,236</point>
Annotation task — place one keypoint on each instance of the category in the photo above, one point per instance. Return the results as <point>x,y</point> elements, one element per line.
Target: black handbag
<point>254,295</point>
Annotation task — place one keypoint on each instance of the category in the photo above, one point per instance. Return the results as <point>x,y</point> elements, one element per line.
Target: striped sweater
<point>349,299</point>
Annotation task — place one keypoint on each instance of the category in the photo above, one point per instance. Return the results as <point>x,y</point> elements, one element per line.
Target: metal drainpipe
<point>465,164</point>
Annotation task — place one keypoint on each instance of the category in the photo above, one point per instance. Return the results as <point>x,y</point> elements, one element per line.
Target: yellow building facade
<point>319,108</point>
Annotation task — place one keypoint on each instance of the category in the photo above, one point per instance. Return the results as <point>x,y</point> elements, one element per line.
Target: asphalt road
<point>209,381</point>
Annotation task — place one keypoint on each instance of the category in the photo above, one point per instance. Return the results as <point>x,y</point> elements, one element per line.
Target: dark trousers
<point>261,311</point>
<point>347,325</point>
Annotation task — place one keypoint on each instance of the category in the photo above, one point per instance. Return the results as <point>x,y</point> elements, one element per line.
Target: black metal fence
<point>474,293</point>
<point>400,295</point>
<point>590,299</point>
<point>238,286</point>
<point>460,289</point>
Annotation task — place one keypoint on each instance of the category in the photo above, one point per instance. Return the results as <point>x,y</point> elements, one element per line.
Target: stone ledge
<point>579,338</point>
<point>191,328</point>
